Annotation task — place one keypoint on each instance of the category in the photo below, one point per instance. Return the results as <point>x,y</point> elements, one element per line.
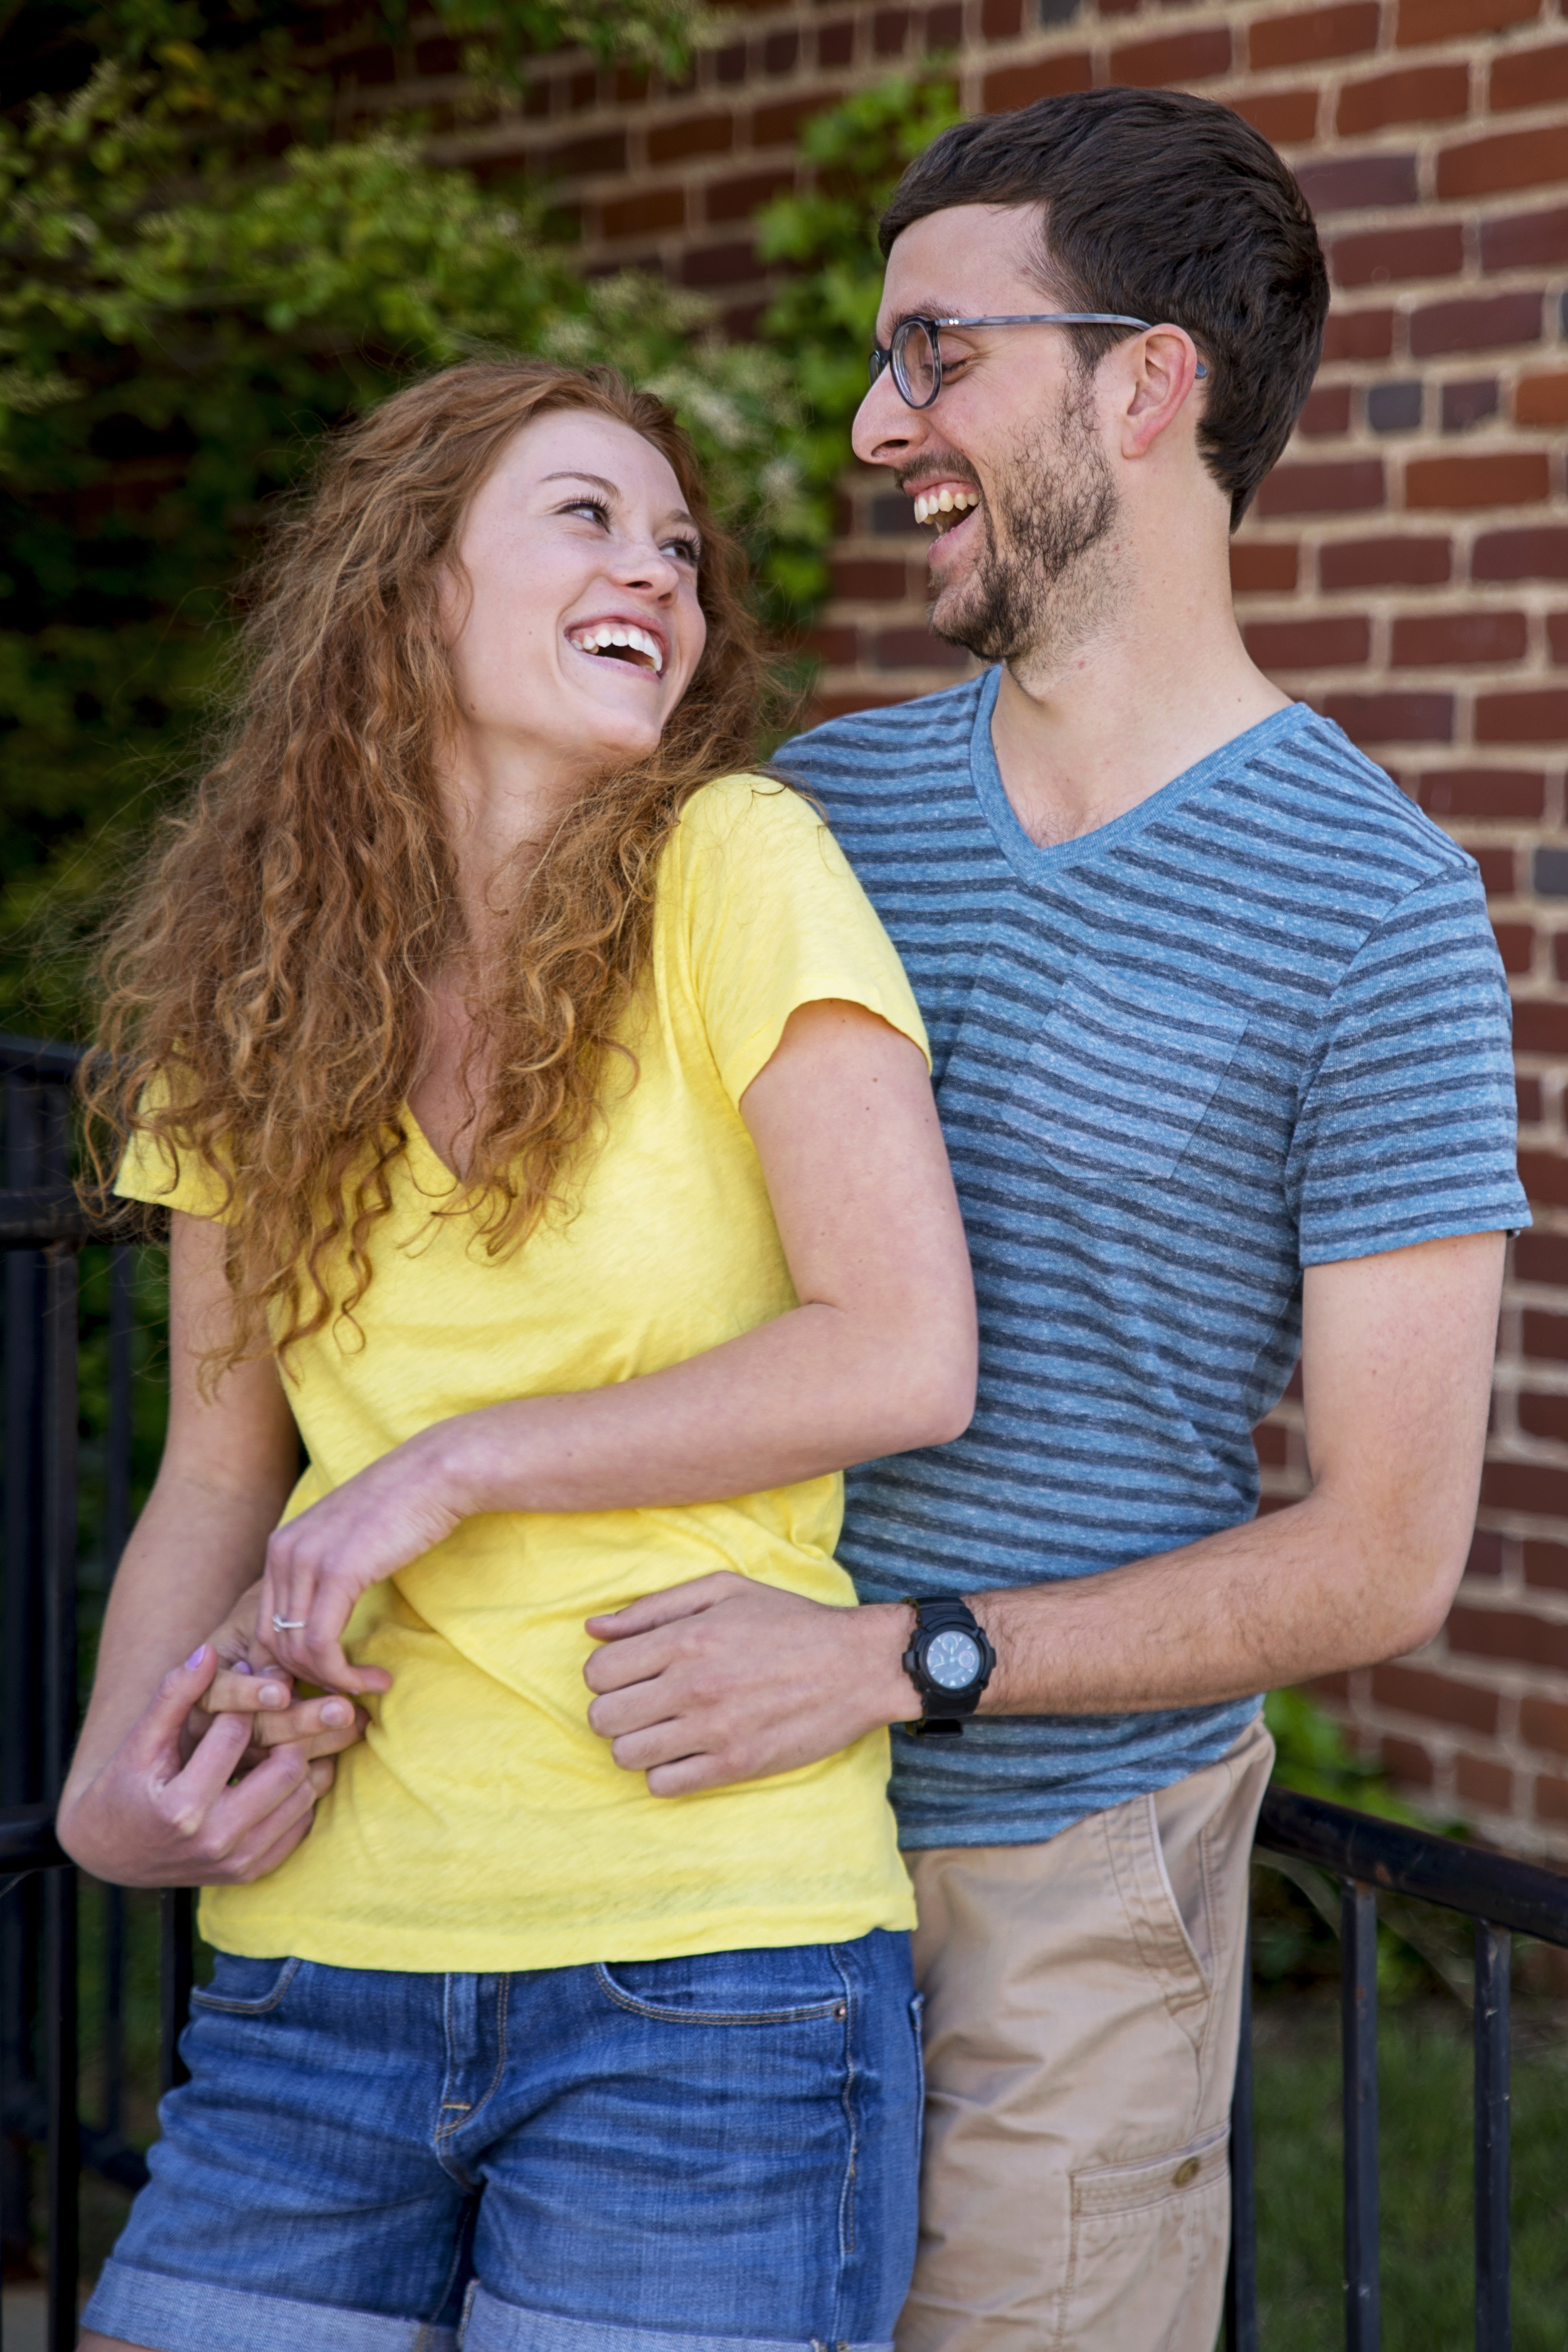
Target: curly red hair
<point>271,968</point>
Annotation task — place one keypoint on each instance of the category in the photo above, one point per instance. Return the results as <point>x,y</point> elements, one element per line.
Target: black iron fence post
<point>30,1134</point>
<point>1358,2010</point>
<point>1241,2282</point>
<point>59,1551</point>
<point>1493,1954</point>
<point>176,1926</point>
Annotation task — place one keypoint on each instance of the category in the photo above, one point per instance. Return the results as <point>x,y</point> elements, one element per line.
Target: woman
<point>545,1122</point>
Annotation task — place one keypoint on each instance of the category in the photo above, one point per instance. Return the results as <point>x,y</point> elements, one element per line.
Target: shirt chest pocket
<point>1122,1073</point>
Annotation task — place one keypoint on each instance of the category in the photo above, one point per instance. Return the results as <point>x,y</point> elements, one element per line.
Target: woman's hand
<point>324,1725</point>
<point>362,1532</point>
<point>152,1816</point>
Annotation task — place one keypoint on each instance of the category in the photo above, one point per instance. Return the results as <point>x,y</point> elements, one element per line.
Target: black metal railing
<point>42,1233</point>
<point>1504,1899</point>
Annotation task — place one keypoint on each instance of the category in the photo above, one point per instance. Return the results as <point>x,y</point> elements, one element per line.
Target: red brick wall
<point>1406,569</point>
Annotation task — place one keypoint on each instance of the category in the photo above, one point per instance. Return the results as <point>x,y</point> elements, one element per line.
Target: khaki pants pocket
<point>1147,2240</point>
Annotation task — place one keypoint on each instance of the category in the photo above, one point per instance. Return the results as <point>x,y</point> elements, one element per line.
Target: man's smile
<point>935,505</point>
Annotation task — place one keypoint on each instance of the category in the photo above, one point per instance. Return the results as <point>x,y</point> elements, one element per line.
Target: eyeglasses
<point>915,353</point>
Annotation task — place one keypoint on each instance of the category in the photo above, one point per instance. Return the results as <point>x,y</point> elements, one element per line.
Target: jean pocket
<point>242,1987</point>
<point>1123,1074</point>
<point>790,1986</point>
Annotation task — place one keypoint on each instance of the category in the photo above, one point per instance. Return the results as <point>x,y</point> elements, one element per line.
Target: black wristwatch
<point>948,1661</point>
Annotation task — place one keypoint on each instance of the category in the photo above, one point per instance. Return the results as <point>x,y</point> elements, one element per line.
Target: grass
<point>1425,2094</point>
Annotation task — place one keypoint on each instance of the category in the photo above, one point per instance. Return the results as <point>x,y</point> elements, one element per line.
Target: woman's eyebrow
<point>572,474</point>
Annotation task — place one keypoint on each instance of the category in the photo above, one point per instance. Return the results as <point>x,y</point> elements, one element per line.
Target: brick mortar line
<point>806,78</point>
<point>1328,75</point>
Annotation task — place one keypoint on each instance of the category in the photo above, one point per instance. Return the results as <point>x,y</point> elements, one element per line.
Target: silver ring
<point>289,1625</point>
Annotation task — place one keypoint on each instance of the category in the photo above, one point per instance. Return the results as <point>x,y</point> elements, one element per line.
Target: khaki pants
<point>1082,2003</point>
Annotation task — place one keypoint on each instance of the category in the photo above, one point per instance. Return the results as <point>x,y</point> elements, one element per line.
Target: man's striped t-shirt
<point>1257,1024</point>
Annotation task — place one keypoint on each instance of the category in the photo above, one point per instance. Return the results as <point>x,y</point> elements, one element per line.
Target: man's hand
<point>724,1680</point>
<point>149,1817</point>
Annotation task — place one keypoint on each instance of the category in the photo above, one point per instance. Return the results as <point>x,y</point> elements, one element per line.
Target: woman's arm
<point>141,1807</point>
<point>879,1355</point>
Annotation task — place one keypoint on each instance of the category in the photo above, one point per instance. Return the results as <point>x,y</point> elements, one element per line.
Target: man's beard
<point>1030,591</point>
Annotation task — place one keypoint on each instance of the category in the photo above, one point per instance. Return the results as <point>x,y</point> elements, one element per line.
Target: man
<point>1221,1047</point>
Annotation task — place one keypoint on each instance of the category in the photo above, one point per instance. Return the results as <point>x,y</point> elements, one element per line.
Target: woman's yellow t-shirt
<point>480,1825</point>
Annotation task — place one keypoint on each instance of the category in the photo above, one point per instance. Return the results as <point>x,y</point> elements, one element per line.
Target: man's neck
<point>1121,715</point>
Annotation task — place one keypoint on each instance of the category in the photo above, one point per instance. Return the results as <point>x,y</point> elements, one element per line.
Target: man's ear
<point>1163,367</point>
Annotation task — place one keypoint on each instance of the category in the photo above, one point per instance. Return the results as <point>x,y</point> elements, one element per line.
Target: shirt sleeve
<point>1406,1130</point>
<point>772,918</point>
<point>153,1171</point>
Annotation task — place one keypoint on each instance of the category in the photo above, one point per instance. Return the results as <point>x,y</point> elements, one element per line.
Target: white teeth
<point>605,633</point>
<point>928,504</point>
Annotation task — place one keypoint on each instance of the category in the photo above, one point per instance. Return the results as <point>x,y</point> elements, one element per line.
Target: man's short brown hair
<point>1166,207</point>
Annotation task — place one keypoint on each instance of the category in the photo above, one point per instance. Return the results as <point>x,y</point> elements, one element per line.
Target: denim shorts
<point>718,2154</point>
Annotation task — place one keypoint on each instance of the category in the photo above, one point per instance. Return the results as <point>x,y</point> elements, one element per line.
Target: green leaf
<point>823,318</point>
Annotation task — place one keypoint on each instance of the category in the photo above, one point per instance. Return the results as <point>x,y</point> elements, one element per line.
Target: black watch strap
<point>942,1709</point>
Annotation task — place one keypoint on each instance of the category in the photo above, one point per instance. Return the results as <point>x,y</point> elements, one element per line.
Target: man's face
<point>1017,575</point>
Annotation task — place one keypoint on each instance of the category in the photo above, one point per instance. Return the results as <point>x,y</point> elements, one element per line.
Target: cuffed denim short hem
<point>184,2315</point>
<point>176,2315</point>
<point>491,2325</point>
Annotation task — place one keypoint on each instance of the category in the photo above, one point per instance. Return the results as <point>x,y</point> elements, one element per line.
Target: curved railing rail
<point>42,1230</point>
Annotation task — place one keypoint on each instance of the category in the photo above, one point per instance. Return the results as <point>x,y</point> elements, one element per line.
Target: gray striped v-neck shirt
<point>1257,1024</point>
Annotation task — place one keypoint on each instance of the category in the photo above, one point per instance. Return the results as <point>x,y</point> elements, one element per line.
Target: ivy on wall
<point>824,317</point>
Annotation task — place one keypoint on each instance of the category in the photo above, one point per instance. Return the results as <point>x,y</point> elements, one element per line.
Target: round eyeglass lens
<point>916,370</point>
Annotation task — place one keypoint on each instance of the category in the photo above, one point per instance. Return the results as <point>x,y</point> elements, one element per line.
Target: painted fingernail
<point>240,1667</point>
<point>196,1658</point>
<point>272,1695</point>
<point>337,1711</point>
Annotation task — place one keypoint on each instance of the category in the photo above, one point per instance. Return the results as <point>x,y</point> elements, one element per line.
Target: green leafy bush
<point>823,320</point>
<point>1313,1753</point>
<point>190,293</point>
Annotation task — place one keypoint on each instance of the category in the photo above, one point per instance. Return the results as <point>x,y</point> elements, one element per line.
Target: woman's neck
<point>502,799</point>
<point>501,802</point>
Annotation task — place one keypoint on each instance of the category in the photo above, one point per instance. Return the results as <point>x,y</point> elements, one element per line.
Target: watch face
<point>953,1660</point>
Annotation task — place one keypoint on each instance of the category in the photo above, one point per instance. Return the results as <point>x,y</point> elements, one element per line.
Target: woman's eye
<point>687,549</point>
<point>595,509</point>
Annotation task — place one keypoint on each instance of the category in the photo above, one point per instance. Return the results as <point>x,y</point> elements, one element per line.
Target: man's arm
<point>878,1356</point>
<point>700,1686</point>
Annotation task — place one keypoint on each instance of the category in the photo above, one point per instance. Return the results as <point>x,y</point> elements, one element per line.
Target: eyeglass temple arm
<point>1056,319</point>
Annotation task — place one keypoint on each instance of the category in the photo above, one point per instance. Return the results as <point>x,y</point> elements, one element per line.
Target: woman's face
<point>581,628</point>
